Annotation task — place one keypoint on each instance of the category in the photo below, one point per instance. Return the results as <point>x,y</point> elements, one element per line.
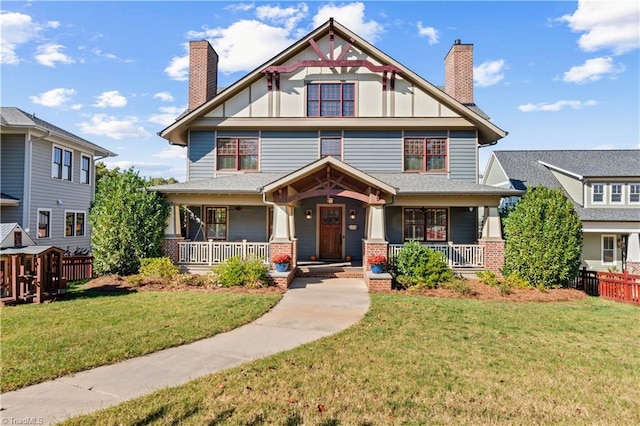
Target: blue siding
<point>463,224</point>
<point>306,228</point>
<point>249,223</point>
<point>12,174</point>
<point>373,151</point>
<point>462,156</point>
<point>288,151</point>
<point>201,153</point>
<point>393,217</point>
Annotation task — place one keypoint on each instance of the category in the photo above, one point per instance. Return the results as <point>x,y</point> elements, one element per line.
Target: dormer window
<point>597,195</point>
<point>330,100</point>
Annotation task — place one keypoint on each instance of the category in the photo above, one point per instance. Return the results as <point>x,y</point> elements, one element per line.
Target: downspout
<point>26,212</point>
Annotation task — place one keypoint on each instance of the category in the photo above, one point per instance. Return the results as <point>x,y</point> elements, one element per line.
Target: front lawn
<point>92,328</point>
<point>421,360</point>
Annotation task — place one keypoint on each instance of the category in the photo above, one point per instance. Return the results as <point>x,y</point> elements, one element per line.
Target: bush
<point>158,267</point>
<point>235,271</point>
<point>506,285</point>
<point>458,285</point>
<point>418,266</point>
<point>488,277</point>
<point>543,239</point>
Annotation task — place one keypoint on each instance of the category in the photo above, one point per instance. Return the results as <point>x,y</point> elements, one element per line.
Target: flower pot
<point>376,269</point>
<point>282,267</point>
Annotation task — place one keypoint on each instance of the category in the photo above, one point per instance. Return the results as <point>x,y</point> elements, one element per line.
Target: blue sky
<point>555,75</point>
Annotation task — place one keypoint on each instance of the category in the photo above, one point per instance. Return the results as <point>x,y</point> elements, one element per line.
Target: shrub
<point>235,271</point>
<point>458,285</point>
<point>543,238</point>
<point>158,267</point>
<point>488,277</point>
<point>515,281</point>
<point>417,265</point>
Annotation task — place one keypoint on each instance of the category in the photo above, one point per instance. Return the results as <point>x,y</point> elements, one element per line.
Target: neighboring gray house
<point>46,179</point>
<point>604,186</point>
<point>333,150</point>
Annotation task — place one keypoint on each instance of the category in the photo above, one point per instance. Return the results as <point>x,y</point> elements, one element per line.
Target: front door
<point>331,232</point>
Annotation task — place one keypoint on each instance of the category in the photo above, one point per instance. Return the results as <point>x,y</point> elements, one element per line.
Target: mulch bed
<point>480,291</point>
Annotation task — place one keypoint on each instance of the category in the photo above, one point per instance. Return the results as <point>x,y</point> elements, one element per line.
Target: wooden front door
<point>331,232</point>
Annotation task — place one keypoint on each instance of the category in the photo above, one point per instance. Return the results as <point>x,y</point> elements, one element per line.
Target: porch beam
<point>369,199</point>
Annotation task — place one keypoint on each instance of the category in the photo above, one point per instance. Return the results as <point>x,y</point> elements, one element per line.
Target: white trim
<point>629,193</point>
<point>75,219</point>
<point>604,193</point>
<point>551,166</point>
<point>617,227</point>
<point>89,172</point>
<point>615,249</point>
<point>622,193</point>
<point>63,148</point>
<point>37,233</point>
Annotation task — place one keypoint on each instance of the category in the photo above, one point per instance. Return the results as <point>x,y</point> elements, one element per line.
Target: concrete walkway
<point>312,308</point>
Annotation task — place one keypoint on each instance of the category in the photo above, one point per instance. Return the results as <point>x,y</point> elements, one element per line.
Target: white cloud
<point>556,106</point>
<point>167,115</point>
<point>112,127</point>
<point>592,70</point>
<point>111,99</point>
<point>53,24</point>
<point>429,32</point>
<point>54,97</point>
<point>49,54</point>
<point>239,7</point>
<point>164,96</point>
<point>17,29</point>
<point>149,170</point>
<point>100,53</point>
<point>289,17</point>
<point>76,107</point>
<point>489,73</point>
<point>351,16</point>
<point>178,68</point>
<point>172,152</point>
<point>613,25</point>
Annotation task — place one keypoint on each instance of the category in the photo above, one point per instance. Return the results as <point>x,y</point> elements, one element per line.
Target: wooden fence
<point>586,281</point>
<point>77,267</point>
<point>622,287</point>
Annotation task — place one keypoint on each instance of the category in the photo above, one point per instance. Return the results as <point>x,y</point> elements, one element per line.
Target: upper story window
<point>331,147</point>
<point>216,223</point>
<point>44,223</point>
<point>85,169</point>
<point>597,193</point>
<point>425,224</point>
<point>237,153</point>
<point>616,193</point>
<point>62,161</point>
<point>74,224</point>
<point>425,154</point>
<point>634,193</point>
<point>330,100</point>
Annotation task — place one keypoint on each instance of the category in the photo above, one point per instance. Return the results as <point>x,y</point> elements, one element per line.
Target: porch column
<point>172,234</point>
<point>492,241</point>
<point>375,223</point>
<point>282,223</point>
<point>633,253</point>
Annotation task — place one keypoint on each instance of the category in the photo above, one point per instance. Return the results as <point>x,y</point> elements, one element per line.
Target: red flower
<point>377,260</point>
<point>281,258</point>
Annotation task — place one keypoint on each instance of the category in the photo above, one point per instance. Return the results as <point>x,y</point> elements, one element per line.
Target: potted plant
<point>281,261</point>
<point>377,263</point>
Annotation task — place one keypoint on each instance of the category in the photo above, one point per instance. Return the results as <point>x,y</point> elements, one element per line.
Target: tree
<point>128,223</point>
<point>543,238</point>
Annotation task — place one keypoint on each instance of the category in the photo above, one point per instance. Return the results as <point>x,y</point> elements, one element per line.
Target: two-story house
<point>604,186</point>
<point>47,180</point>
<point>333,150</point>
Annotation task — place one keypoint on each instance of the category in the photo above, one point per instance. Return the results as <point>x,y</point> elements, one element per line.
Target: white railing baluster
<point>457,255</point>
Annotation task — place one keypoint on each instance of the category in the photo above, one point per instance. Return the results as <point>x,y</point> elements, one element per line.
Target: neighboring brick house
<point>333,150</point>
<point>604,186</point>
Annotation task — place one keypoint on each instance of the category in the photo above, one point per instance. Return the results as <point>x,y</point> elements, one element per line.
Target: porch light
<point>308,214</point>
<point>352,214</point>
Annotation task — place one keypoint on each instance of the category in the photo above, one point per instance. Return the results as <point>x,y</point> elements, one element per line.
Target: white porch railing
<point>212,252</point>
<point>457,255</point>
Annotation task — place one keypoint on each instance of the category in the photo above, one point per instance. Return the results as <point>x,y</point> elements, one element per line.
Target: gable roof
<point>6,235</point>
<point>489,132</point>
<point>15,117</point>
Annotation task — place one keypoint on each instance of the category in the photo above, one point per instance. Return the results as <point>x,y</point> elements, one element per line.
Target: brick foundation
<point>493,255</point>
<point>377,282</point>
<point>171,249</point>
<point>372,249</point>
<point>281,279</point>
<point>286,247</point>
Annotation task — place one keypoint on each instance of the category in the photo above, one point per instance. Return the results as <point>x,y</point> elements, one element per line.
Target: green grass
<point>90,328</point>
<point>419,360</point>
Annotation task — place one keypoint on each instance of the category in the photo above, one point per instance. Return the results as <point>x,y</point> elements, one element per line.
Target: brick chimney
<point>458,72</point>
<point>203,73</point>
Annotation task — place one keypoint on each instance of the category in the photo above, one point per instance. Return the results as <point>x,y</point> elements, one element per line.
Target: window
<point>85,169</point>
<point>616,193</point>
<point>330,100</point>
<point>597,195</point>
<point>425,154</point>
<point>216,223</point>
<point>425,224</point>
<point>634,193</point>
<point>44,223</point>
<point>61,167</point>
<point>74,224</point>
<point>331,147</point>
<point>237,153</point>
<point>608,249</point>
<point>17,238</point>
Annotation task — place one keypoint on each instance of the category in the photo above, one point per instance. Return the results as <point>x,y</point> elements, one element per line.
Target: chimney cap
<point>457,41</point>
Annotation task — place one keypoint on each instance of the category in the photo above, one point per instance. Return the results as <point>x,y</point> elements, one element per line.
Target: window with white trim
<point>62,161</point>
<point>44,223</point>
<point>425,224</point>
<point>331,100</point>
<point>597,193</point>
<point>85,169</point>
<point>608,249</point>
<point>634,193</point>
<point>216,223</point>
<point>74,224</point>
<point>331,147</point>
<point>616,193</point>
